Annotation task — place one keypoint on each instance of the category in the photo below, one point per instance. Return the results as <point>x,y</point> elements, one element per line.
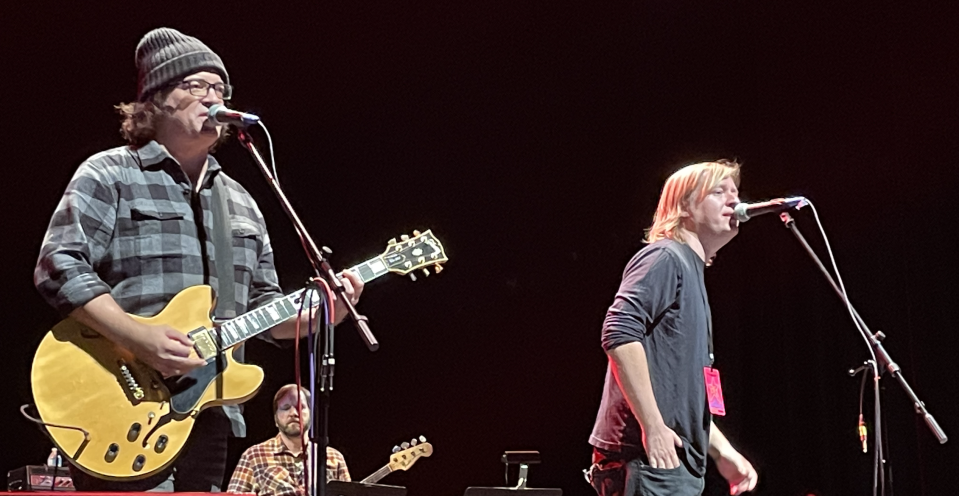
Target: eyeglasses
<point>201,88</point>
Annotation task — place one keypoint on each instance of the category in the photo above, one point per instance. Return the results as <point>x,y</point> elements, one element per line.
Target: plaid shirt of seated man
<point>276,466</point>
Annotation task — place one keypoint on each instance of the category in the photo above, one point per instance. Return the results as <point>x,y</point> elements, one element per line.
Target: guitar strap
<point>225,277</point>
<point>223,244</point>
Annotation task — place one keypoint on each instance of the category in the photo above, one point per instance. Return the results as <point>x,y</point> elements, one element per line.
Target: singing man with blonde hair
<point>654,427</point>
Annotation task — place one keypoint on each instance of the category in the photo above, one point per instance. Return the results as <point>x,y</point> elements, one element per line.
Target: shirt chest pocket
<point>161,228</point>
<point>148,217</point>
<point>247,244</point>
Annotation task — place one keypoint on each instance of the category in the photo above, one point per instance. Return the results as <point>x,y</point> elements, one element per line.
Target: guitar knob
<point>392,241</point>
<point>426,272</point>
<point>412,276</point>
<point>413,442</point>
<point>405,445</point>
<point>139,462</point>
<point>112,452</point>
<point>438,268</point>
<point>404,237</point>
<point>396,449</point>
<point>416,233</point>
<point>134,432</point>
<point>422,439</point>
<point>161,444</point>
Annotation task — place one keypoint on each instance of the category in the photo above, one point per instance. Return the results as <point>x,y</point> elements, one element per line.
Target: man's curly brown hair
<point>138,125</point>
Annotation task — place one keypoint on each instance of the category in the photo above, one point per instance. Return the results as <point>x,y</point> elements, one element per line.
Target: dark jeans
<point>200,467</point>
<point>617,474</point>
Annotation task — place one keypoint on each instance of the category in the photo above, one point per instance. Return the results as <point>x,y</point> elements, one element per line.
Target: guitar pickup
<point>203,343</point>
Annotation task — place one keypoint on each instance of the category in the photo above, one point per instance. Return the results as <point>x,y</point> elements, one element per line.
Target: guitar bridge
<point>132,385</point>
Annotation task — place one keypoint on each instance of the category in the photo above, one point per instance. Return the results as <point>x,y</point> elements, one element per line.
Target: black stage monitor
<point>340,488</point>
<point>511,491</point>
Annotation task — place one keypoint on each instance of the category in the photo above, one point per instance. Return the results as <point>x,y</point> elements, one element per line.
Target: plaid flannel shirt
<point>129,224</point>
<point>270,469</point>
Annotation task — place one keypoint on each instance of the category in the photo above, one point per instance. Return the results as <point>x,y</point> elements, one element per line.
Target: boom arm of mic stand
<point>320,265</point>
<point>883,357</point>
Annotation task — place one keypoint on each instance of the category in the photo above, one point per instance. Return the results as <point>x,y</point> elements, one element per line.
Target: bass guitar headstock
<point>406,454</point>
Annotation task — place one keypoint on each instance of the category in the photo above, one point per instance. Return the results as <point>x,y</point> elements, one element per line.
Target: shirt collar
<point>278,446</point>
<point>152,154</point>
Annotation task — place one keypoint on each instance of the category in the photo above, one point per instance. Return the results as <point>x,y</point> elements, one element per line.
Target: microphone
<point>219,114</point>
<point>746,211</point>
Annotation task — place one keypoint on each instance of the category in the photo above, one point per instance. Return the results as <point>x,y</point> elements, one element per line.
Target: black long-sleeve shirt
<point>662,304</point>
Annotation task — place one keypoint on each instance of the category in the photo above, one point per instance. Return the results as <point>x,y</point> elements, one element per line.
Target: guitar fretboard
<point>376,476</point>
<point>235,331</point>
<point>371,269</point>
<point>250,324</point>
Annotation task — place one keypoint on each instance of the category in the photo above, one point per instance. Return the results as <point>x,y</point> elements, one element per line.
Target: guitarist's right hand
<point>165,349</point>
<point>159,346</point>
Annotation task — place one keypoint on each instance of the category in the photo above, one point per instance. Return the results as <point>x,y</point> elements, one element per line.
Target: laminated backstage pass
<point>714,391</point>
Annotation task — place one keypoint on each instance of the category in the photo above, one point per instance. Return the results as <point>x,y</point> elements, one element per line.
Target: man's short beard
<point>292,429</point>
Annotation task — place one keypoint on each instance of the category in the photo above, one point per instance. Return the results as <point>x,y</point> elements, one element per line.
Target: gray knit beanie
<point>165,54</point>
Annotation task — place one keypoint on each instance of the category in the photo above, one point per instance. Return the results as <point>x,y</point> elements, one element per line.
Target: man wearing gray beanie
<point>137,225</point>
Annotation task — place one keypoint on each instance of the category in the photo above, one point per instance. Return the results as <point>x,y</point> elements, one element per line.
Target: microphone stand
<point>882,357</point>
<point>321,268</point>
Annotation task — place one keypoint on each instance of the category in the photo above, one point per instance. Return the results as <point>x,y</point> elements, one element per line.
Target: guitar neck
<point>370,269</point>
<point>235,331</point>
<point>376,476</point>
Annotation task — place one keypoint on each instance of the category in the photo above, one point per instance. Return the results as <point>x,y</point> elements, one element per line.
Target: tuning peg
<point>426,272</point>
<point>438,268</point>
<point>396,449</point>
<point>405,237</point>
<point>422,439</point>
<point>413,276</point>
<point>416,233</point>
<point>392,241</point>
<point>413,442</point>
<point>405,444</point>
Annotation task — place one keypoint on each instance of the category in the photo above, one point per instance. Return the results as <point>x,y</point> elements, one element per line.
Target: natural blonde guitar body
<point>79,381</point>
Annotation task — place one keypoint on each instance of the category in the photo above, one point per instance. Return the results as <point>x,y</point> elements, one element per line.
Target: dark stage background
<point>533,138</point>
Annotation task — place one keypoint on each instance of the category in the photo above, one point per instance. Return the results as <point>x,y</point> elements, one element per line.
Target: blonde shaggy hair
<point>696,179</point>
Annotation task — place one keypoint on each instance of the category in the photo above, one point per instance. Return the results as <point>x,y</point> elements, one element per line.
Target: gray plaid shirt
<point>130,225</point>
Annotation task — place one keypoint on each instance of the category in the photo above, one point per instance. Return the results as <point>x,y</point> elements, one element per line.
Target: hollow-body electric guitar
<point>116,418</point>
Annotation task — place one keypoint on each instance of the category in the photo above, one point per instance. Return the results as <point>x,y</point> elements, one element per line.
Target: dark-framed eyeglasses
<point>201,88</point>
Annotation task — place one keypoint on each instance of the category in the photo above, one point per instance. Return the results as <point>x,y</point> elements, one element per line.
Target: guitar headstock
<point>411,253</point>
<point>404,459</point>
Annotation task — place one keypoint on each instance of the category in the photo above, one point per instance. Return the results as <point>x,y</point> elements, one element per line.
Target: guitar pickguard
<point>187,390</point>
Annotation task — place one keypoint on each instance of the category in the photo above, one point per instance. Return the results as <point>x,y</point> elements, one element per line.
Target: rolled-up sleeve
<point>77,238</point>
<point>649,287</point>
